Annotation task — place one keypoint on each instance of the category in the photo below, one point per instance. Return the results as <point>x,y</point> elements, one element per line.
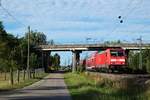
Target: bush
<point>80,68</point>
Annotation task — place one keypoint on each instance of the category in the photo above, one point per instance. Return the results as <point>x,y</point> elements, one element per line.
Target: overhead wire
<point>8,13</point>
<point>118,24</point>
<point>130,11</point>
<point>127,14</point>
<point>36,12</point>
<point>143,27</point>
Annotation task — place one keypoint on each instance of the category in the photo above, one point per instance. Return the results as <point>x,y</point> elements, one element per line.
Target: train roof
<point>115,49</point>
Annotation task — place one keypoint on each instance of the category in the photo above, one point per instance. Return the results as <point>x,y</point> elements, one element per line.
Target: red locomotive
<point>107,59</point>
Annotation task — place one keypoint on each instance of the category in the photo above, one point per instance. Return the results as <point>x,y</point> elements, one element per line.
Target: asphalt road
<point>51,87</point>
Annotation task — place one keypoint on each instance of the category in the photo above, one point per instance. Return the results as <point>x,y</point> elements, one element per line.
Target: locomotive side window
<point>116,53</point>
<point>113,53</point>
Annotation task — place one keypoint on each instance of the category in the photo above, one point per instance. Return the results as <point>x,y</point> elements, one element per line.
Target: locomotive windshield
<point>116,53</point>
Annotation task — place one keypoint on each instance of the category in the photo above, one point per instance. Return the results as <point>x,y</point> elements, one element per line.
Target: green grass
<point>83,87</point>
<point>6,86</point>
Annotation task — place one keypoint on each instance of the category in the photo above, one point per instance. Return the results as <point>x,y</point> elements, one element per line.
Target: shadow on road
<point>48,88</point>
<point>51,87</point>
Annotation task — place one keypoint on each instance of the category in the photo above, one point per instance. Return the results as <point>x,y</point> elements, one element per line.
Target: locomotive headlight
<point>122,60</point>
<point>113,60</point>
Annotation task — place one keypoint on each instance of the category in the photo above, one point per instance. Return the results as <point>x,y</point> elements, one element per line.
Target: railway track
<point>115,76</point>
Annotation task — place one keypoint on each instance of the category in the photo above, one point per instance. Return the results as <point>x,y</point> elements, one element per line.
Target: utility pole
<point>28,56</point>
<point>140,54</point>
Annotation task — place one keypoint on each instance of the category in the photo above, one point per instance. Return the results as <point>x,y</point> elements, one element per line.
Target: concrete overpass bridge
<point>76,49</point>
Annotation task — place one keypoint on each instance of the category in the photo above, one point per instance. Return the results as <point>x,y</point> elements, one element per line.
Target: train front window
<point>116,53</point>
<point>113,53</point>
<point>120,53</point>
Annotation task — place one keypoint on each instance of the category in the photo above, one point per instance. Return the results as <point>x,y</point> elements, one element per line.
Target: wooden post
<point>28,56</point>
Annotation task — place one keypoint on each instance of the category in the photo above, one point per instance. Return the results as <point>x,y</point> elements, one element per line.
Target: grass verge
<point>5,85</point>
<point>83,87</point>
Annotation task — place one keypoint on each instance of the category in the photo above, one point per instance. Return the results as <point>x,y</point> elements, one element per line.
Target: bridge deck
<point>88,47</point>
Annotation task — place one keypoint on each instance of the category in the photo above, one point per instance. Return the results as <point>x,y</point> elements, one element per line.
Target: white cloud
<point>75,20</point>
<point>58,18</point>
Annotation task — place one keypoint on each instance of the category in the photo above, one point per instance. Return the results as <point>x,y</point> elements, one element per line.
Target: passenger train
<point>110,59</point>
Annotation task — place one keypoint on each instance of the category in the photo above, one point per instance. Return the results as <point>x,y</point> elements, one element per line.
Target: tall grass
<point>85,87</point>
<point>5,80</point>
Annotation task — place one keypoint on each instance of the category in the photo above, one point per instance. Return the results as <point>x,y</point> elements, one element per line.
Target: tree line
<point>134,59</point>
<point>14,49</point>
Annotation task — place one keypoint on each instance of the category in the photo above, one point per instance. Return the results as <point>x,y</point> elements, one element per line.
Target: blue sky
<point>72,21</point>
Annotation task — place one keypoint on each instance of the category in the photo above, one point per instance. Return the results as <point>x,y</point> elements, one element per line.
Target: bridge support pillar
<point>76,60</point>
<point>45,60</point>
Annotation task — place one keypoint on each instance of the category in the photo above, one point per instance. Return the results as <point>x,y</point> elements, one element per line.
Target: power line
<point>132,9</point>
<point>128,7</point>
<point>5,10</point>
<point>122,18</point>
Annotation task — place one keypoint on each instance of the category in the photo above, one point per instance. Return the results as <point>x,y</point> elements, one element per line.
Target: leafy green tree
<point>56,62</point>
<point>2,49</point>
<point>13,51</point>
<point>148,65</point>
<point>51,42</point>
<point>33,61</point>
<point>146,59</point>
<point>8,53</point>
<point>4,66</point>
<point>134,60</point>
<point>113,42</point>
<point>2,28</point>
<point>36,38</point>
<point>12,64</point>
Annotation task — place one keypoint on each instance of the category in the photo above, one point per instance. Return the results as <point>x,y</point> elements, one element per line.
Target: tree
<point>51,42</point>
<point>8,53</point>
<point>56,62</point>
<point>134,60</point>
<point>36,38</point>
<point>146,59</point>
<point>13,51</point>
<point>113,42</point>
<point>2,49</point>
<point>12,64</point>
<point>33,61</point>
<point>4,66</point>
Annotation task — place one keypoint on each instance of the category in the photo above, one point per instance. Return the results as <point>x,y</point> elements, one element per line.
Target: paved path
<point>51,87</point>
